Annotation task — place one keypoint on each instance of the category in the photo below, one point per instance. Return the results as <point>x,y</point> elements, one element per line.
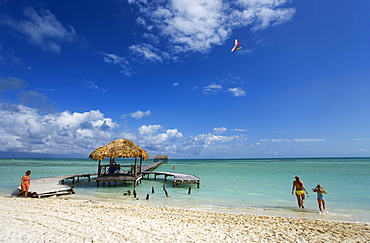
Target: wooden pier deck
<point>179,178</point>
<point>72,177</point>
<point>152,166</point>
<point>126,176</point>
<point>50,186</point>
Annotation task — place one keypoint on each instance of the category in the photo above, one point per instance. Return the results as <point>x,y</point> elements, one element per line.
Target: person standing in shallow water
<point>25,184</point>
<point>320,197</point>
<point>299,191</point>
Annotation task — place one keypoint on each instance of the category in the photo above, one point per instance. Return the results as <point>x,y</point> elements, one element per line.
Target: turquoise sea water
<point>246,186</point>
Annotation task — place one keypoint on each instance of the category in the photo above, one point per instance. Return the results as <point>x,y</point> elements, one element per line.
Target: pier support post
<point>165,191</point>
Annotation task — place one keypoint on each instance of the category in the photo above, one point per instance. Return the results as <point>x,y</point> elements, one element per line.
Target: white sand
<point>59,220</point>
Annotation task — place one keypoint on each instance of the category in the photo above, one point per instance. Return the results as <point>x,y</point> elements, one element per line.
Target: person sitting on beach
<point>25,184</point>
<point>320,197</point>
<point>299,191</point>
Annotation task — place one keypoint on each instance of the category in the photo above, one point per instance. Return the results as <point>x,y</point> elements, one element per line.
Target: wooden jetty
<point>51,186</point>
<point>152,166</point>
<point>72,177</point>
<point>179,178</point>
<point>54,186</point>
<point>126,176</point>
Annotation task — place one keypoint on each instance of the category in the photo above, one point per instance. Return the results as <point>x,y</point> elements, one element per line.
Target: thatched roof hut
<point>121,148</point>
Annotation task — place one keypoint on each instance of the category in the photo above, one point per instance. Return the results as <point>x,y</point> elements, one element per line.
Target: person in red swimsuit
<point>25,184</point>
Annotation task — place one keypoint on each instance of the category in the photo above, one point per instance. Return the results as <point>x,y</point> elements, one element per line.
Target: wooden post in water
<point>189,190</point>
<point>152,189</point>
<point>134,193</point>
<point>165,191</point>
<point>147,196</point>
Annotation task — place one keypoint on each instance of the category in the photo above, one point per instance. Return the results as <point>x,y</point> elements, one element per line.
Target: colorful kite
<point>237,46</point>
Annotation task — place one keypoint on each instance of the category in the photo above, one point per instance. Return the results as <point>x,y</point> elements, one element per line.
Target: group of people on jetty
<point>300,194</point>
<point>298,186</point>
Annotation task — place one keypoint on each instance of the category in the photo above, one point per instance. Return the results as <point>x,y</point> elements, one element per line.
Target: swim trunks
<point>320,196</point>
<point>299,192</point>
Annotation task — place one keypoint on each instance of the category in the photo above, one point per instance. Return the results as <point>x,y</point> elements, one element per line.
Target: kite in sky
<point>237,46</point>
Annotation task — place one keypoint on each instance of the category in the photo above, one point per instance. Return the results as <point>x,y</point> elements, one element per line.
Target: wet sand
<point>60,220</point>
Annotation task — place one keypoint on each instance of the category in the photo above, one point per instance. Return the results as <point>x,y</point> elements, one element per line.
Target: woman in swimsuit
<point>299,191</point>
<point>25,184</point>
<point>320,197</point>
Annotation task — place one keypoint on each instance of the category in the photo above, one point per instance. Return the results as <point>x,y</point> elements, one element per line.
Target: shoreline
<point>62,220</point>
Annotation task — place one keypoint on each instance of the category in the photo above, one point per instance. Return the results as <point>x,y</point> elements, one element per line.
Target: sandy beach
<point>60,220</point>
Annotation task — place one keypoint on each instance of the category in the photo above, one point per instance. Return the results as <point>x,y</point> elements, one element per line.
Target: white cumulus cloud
<point>207,144</point>
<point>219,130</point>
<point>23,129</point>
<point>140,114</point>
<point>197,26</point>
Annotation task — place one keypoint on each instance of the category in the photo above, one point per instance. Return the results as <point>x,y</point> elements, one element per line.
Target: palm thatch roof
<point>121,148</point>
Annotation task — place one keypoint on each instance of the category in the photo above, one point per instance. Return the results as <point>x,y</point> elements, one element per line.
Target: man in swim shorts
<point>299,191</point>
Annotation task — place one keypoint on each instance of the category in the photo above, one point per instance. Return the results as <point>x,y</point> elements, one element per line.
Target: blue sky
<point>76,75</point>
